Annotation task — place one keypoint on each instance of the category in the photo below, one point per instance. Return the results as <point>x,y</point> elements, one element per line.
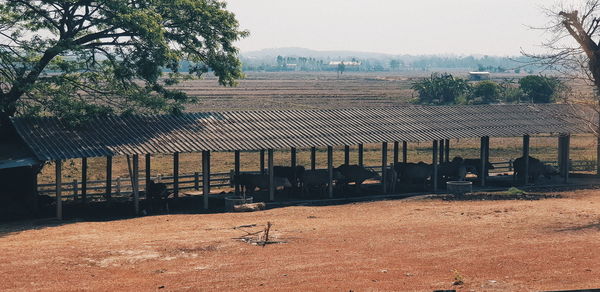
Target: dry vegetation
<point>403,245</point>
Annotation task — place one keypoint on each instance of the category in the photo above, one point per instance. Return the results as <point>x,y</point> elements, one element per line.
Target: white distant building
<point>476,76</point>
<point>346,63</point>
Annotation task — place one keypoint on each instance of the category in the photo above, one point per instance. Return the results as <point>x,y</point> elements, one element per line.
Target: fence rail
<point>121,186</point>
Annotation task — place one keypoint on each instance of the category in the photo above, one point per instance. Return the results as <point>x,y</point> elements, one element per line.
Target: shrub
<point>440,89</point>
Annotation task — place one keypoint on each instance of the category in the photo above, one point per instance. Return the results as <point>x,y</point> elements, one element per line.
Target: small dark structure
<point>52,140</point>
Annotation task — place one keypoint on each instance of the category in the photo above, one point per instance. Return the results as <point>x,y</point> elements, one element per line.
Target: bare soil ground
<point>401,245</point>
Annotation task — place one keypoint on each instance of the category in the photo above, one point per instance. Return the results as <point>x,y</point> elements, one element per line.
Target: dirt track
<point>380,246</point>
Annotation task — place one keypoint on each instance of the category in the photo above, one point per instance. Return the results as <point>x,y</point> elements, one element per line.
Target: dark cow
<point>157,196</point>
<point>249,182</point>
<point>356,174</point>
<point>454,170</point>
<point>319,179</point>
<point>536,168</point>
<point>295,176</point>
<point>473,166</point>
<point>413,173</point>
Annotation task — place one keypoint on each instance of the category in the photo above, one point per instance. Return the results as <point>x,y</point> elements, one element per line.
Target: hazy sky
<point>492,27</point>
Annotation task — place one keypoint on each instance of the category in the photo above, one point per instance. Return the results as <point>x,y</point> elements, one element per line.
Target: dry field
<point>400,245</point>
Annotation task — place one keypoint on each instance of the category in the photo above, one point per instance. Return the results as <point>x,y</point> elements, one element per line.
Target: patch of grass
<point>515,191</point>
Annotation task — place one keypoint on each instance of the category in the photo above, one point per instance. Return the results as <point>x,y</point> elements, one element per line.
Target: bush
<point>485,92</point>
<point>440,89</point>
<point>540,89</point>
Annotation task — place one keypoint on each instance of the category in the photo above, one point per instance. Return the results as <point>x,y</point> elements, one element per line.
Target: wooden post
<point>236,170</point>
<point>384,150</point>
<point>75,189</point>
<point>58,173</point>
<point>196,181</point>
<point>346,154</point>
<point>271,176</point>
<point>313,158</point>
<point>176,174</point>
<point>435,166</point>
<point>293,161</point>
<point>262,161</point>
<point>109,176</point>
<point>567,159</point>
<point>136,185</point>
<point>361,153</point>
<point>561,155</point>
<point>118,186</point>
<point>404,152</point>
<point>396,152</point>
<point>330,170</point>
<point>442,150</point>
<point>526,157</point>
<point>148,172</point>
<point>483,161</point>
<point>205,177</point>
<point>447,148</point>
<point>84,167</point>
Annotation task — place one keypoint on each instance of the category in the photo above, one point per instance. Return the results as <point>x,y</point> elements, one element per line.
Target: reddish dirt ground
<point>401,245</point>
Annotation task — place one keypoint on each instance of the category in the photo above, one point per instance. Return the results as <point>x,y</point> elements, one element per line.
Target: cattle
<point>473,166</point>
<point>356,174</point>
<point>156,196</point>
<point>319,179</point>
<point>413,173</point>
<point>249,182</point>
<point>454,170</point>
<point>294,175</point>
<point>536,168</point>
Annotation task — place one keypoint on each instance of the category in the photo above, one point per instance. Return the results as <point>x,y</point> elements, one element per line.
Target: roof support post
<point>271,176</point>
<point>176,174</point>
<point>109,164</point>
<point>293,162</point>
<point>361,153</point>
<point>58,173</point>
<point>567,158</point>
<point>435,166</point>
<point>236,170</point>
<point>346,154</point>
<point>396,152</point>
<point>526,158</point>
<point>313,158</point>
<point>84,167</point>
<point>484,158</point>
<point>148,170</point>
<point>262,161</point>
<point>447,150</point>
<point>598,153</point>
<point>384,182</point>
<point>442,150</point>
<point>561,154</point>
<point>330,170</point>
<point>404,152</point>
<point>136,185</point>
<point>205,177</point>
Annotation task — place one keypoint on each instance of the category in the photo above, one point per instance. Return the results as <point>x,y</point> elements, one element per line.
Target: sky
<point>415,27</point>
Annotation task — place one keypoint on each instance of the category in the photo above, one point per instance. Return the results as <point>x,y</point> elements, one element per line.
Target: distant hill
<point>308,53</point>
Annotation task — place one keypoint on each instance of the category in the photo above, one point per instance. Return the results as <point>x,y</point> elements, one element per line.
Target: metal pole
<point>330,170</point>
<point>435,166</point>
<point>84,167</point>
<point>442,150</point>
<point>176,174</point>
<point>404,151</point>
<point>313,158</point>
<point>526,157</point>
<point>148,172</point>
<point>384,150</point>
<point>136,185</point>
<point>58,173</point>
<point>346,154</point>
<point>293,162</point>
<point>205,177</point>
<point>567,159</point>
<point>236,170</point>
<point>482,159</point>
<point>396,152</point>
<point>361,154</point>
<point>271,176</point>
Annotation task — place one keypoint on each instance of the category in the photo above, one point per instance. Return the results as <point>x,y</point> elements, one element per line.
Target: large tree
<point>574,50</point>
<point>80,58</point>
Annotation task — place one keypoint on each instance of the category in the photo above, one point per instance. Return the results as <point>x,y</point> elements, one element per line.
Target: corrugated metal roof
<point>51,139</point>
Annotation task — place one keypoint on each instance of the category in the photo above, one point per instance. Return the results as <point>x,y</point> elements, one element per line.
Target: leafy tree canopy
<point>485,92</point>
<point>80,58</point>
<point>440,89</point>
<point>540,89</point>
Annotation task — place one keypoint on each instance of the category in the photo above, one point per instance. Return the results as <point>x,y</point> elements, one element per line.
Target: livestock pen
<point>263,132</point>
